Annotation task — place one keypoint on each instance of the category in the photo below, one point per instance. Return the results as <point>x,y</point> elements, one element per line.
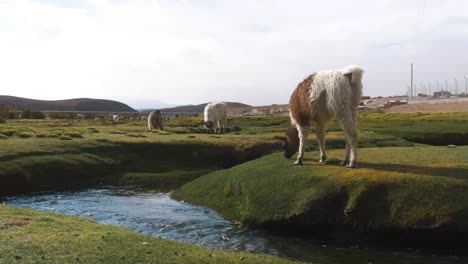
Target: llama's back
<point>334,92</point>
<point>356,82</point>
<point>215,111</point>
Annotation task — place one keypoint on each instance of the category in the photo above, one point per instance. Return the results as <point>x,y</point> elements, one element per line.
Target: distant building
<point>442,95</point>
<point>391,103</point>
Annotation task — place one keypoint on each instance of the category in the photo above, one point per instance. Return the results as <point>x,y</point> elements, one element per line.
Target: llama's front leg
<point>320,132</point>
<point>302,133</point>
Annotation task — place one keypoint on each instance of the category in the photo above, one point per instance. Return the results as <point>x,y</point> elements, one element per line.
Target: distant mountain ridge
<point>198,109</point>
<point>72,105</point>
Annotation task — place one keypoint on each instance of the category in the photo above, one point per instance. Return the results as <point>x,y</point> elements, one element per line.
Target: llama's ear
<point>283,139</point>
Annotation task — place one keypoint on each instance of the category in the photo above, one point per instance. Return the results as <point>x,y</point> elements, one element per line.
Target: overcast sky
<point>194,51</point>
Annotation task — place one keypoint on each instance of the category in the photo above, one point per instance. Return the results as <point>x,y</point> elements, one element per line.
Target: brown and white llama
<point>319,98</point>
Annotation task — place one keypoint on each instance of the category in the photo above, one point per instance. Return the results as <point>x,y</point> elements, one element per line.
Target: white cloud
<point>196,51</point>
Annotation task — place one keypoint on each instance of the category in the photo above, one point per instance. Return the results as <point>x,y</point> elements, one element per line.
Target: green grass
<point>398,186</point>
<point>168,180</point>
<point>73,134</point>
<point>136,135</point>
<point>34,173</point>
<point>182,146</point>
<point>402,189</point>
<point>31,236</point>
<point>23,134</point>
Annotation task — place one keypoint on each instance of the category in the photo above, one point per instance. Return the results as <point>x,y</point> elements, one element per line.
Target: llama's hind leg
<point>218,127</point>
<point>349,128</point>
<point>303,132</point>
<point>320,132</point>
<point>223,126</point>
<point>346,154</point>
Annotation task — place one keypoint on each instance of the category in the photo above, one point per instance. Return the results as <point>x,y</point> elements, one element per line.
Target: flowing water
<point>155,213</point>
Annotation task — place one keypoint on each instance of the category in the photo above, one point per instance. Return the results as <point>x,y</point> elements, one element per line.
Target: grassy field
<point>401,184</point>
<point>36,154</point>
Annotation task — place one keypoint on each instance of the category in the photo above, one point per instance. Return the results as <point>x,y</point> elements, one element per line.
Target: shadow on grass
<point>450,172</point>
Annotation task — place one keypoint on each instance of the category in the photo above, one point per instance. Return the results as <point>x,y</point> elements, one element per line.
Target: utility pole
<point>456,86</point>
<point>411,97</point>
<point>446,86</point>
<point>466,86</point>
<point>429,87</point>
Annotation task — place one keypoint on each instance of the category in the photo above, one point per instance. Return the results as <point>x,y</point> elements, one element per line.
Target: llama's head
<point>290,142</point>
<point>209,124</point>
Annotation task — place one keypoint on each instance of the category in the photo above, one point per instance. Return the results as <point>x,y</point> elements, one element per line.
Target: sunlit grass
<point>31,236</point>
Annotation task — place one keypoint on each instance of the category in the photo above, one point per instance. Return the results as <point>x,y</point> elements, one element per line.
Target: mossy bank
<point>30,236</point>
<point>415,193</point>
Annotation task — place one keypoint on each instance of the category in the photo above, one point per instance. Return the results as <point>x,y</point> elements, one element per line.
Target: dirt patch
<point>461,106</point>
<point>7,223</point>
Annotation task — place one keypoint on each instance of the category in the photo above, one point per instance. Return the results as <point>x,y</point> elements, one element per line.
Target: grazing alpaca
<point>155,120</point>
<point>215,115</point>
<point>319,98</point>
<point>115,119</point>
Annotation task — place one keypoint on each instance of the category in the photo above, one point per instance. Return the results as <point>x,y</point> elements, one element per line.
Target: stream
<point>156,214</point>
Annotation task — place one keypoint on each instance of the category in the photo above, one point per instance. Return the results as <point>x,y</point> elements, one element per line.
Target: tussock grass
<point>136,135</point>
<point>23,134</point>
<point>73,134</point>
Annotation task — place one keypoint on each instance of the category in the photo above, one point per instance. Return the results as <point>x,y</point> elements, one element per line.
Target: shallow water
<point>156,214</point>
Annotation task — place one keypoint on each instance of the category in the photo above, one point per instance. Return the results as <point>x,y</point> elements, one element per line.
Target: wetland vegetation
<point>411,176</point>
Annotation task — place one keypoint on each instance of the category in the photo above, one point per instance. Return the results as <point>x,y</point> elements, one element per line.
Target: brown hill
<point>198,109</point>
<point>79,104</point>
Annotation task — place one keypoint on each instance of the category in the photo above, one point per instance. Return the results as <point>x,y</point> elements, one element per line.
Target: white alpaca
<point>319,98</point>
<point>115,119</point>
<point>215,116</point>
<point>155,120</point>
<point>80,116</point>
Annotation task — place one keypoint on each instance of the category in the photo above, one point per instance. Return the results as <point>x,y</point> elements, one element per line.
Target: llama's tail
<point>355,72</point>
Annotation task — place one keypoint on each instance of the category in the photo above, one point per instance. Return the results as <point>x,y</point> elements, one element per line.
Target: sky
<point>172,52</point>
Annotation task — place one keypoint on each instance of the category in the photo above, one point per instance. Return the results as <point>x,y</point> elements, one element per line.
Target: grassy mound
<point>412,190</point>
<point>35,236</point>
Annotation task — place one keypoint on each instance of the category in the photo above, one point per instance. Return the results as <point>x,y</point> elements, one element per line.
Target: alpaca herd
<point>319,98</point>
